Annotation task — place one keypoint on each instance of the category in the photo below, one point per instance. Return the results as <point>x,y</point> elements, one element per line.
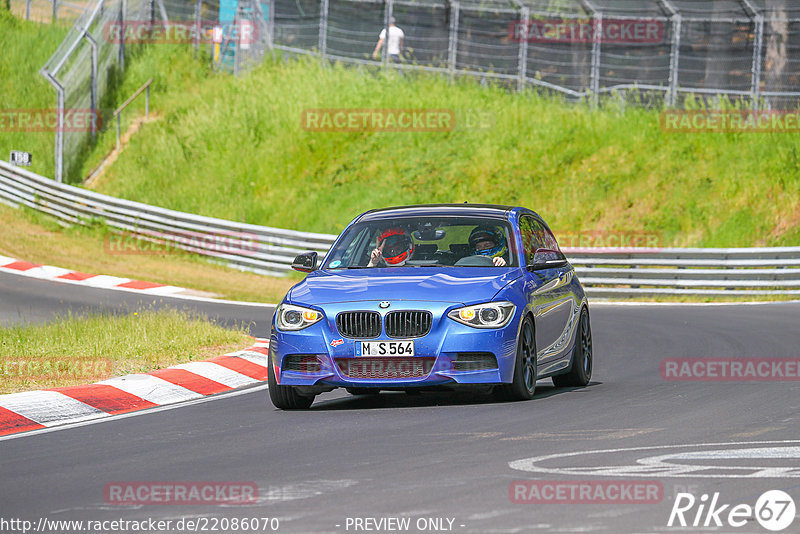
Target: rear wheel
<point>286,397</point>
<point>582,358</point>
<point>523,385</point>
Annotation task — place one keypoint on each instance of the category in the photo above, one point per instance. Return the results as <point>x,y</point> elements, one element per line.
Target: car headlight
<point>291,317</point>
<point>488,315</point>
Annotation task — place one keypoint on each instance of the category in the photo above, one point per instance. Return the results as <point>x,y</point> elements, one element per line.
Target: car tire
<point>286,397</point>
<point>363,391</point>
<point>523,385</point>
<point>580,372</point>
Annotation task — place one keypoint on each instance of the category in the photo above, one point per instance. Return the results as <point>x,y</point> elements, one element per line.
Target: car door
<point>549,294</point>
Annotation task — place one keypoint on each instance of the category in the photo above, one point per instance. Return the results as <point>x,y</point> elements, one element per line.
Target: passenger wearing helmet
<point>395,248</point>
<point>489,241</point>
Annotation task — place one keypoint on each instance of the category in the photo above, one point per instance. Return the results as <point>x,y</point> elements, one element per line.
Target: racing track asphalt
<point>435,455</point>
<point>30,300</point>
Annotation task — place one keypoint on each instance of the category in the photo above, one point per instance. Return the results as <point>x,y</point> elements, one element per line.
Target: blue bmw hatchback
<point>457,295</point>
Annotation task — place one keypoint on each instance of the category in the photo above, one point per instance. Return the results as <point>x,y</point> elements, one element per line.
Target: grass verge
<point>235,148</point>
<point>75,350</point>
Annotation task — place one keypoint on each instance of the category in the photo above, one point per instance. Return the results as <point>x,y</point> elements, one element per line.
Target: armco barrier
<point>711,272</point>
<point>246,246</point>
<point>604,272</point>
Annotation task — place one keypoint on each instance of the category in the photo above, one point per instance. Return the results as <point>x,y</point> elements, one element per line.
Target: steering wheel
<point>475,261</point>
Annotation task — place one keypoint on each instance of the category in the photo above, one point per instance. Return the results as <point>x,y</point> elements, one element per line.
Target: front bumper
<point>329,359</point>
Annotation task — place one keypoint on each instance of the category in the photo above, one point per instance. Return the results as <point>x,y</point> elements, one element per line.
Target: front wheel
<point>582,357</point>
<point>523,385</point>
<point>285,397</point>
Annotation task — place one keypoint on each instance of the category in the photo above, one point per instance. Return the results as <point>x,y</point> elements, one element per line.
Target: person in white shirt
<point>395,42</point>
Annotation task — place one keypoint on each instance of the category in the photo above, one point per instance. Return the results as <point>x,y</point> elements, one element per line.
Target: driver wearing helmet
<point>489,241</point>
<point>395,247</point>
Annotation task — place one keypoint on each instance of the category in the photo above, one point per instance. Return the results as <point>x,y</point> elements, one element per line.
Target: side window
<point>532,235</point>
<point>549,239</point>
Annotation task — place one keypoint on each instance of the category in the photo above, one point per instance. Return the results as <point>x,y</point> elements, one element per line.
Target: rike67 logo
<point>774,510</point>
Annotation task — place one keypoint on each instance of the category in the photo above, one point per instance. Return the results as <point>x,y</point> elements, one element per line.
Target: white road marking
<point>47,271</point>
<point>49,407</point>
<point>104,281</point>
<point>151,388</point>
<point>253,357</point>
<point>785,449</point>
<point>217,373</point>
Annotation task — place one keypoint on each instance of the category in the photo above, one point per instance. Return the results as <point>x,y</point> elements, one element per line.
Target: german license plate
<point>387,348</point>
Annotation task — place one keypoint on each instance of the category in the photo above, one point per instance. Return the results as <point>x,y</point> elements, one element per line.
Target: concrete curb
<point>58,274</point>
<point>34,410</point>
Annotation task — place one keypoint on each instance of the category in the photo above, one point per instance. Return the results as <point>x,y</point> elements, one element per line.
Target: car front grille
<point>474,361</point>
<point>406,324</point>
<point>385,368</point>
<point>301,363</point>
<point>359,324</point>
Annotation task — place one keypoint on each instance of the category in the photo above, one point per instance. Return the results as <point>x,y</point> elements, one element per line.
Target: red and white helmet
<point>396,246</point>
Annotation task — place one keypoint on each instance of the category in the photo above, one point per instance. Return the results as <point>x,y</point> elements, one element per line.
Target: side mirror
<point>547,259</point>
<point>305,262</point>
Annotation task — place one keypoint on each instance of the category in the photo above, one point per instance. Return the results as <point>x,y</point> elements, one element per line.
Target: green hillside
<point>235,148</point>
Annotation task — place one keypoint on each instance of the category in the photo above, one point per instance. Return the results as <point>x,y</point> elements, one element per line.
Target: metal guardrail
<point>604,272</point>
<point>248,247</point>
<point>711,272</point>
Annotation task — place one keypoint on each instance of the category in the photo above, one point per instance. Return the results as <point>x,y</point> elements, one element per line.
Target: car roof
<point>439,210</point>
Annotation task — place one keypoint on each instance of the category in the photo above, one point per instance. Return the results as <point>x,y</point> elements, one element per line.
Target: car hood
<point>458,285</point>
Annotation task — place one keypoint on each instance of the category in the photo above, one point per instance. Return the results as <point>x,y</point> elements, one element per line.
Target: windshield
<point>424,242</point>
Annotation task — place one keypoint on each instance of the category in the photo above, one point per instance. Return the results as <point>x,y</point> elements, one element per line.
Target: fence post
<point>58,146</point>
<point>271,24</point>
<point>597,39</point>
<point>237,21</point>
<point>758,43</point>
<point>55,10</point>
<point>674,59</point>
<point>674,53</point>
<point>525,15</point>
<point>122,16</point>
<point>452,51</point>
<point>756,86</point>
<point>198,6</point>
<point>323,29</point>
<point>93,80</point>
<point>28,10</point>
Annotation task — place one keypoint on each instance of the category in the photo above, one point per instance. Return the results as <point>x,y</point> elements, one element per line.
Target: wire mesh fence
<point>663,51</point>
<point>651,52</point>
<point>90,61</point>
<point>62,11</point>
